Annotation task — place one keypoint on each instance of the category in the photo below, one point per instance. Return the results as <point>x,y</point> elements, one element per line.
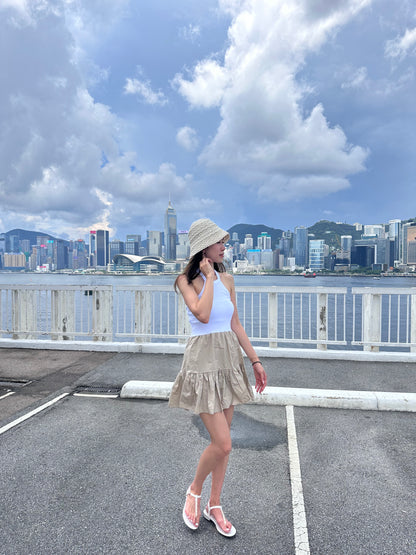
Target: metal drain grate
<point>98,389</point>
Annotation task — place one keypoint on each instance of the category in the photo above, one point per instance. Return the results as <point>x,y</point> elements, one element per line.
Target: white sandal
<point>186,520</point>
<point>209,516</point>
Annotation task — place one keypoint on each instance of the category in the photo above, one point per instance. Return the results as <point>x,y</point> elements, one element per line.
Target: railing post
<point>322,323</point>
<point>413,323</point>
<point>24,314</point>
<point>102,315</point>
<point>371,321</point>
<point>184,328</point>
<point>143,315</point>
<point>272,324</point>
<point>63,314</point>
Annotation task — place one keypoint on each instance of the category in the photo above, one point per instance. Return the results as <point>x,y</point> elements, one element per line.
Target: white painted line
<point>102,396</point>
<point>31,413</point>
<point>300,527</point>
<point>7,394</point>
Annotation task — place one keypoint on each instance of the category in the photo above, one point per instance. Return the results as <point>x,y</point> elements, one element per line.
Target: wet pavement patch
<point>249,433</point>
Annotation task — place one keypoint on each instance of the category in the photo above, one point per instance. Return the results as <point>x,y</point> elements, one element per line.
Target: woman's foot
<point>191,512</point>
<point>215,514</point>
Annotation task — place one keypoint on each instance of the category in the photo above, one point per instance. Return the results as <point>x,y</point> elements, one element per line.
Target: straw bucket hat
<point>204,233</point>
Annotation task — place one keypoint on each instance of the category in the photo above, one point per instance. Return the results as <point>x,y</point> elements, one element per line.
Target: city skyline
<point>181,229</point>
<point>284,113</point>
<point>379,247</point>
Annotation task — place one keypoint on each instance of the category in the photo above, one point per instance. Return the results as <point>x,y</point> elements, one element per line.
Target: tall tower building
<point>301,245</point>
<point>154,243</point>
<point>395,235</point>
<point>116,247</point>
<point>409,244</point>
<point>316,254</point>
<point>99,247</point>
<point>183,247</point>
<point>248,241</point>
<point>170,232</point>
<point>133,244</point>
<point>264,241</point>
<point>346,246</point>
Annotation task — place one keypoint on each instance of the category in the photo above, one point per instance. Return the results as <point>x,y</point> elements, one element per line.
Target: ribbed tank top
<point>221,312</point>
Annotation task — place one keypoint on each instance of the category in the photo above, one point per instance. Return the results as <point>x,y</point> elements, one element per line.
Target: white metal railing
<point>367,318</point>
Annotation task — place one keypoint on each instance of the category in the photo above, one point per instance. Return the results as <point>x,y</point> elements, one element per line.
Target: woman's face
<point>215,252</point>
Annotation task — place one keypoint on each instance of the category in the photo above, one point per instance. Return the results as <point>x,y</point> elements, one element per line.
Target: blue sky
<point>279,112</point>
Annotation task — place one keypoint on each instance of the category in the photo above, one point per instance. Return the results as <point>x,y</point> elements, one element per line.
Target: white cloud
<point>144,90</point>
<point>357,79</point>
<point>402,46</point>
<point>187,138</point>
<point>61,169</point>
<point>207,87</point>
<point>265,139</point>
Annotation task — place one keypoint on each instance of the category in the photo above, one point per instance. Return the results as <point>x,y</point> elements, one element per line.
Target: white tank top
<point>221,312</point>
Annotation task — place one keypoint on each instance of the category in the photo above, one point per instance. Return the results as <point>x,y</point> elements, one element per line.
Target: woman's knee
<point>224,447</point>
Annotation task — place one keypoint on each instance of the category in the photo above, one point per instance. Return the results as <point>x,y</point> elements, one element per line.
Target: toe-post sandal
<point>186,520</point>
<point>209,516</point>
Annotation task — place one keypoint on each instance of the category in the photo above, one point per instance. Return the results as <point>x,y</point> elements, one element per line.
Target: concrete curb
<point>179,348</point>
<point>324,398</point>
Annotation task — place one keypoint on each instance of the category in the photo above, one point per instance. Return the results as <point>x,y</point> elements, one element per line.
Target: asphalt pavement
<point>99,474</point>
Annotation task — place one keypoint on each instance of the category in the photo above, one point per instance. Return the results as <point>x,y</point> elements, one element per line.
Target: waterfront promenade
<point>90,474</point>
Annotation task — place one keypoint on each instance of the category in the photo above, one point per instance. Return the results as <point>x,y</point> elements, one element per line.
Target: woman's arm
<point>200,307</point>
<point>237,327</point>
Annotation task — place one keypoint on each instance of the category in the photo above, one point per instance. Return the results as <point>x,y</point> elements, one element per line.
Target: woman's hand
<point>261,377</point>
<point>206,266</point>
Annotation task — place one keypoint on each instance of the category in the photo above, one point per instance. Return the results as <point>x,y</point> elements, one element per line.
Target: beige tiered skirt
<point>212,377</point>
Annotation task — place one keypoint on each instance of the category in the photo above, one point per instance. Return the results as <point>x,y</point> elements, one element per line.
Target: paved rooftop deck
<point>108,475</point>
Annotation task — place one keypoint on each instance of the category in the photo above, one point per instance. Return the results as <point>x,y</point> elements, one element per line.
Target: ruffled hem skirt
<point>212,377</point>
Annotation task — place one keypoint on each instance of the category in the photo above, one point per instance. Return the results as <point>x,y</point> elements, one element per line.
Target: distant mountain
<point>331,232</point>
<point>31,236</point>
<point>255,231</point>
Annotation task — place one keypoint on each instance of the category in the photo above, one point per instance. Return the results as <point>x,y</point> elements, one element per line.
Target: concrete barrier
<point>324,398</point>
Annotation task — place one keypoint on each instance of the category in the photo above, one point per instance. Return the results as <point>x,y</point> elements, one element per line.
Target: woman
<point>212,379</point>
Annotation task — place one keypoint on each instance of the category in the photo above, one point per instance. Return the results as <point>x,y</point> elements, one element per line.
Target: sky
<point>275,112</point>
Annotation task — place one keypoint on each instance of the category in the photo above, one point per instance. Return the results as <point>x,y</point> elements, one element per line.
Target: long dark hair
<point>191,270</point>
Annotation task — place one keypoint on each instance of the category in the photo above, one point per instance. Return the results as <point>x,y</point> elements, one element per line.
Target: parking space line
<point>31,413</point>
<point>300,528</point>
<point>7,394</point>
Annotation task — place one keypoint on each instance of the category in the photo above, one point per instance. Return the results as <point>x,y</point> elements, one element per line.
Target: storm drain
<point>99,390</point>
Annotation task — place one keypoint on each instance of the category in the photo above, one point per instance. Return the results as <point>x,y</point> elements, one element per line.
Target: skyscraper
<point>170,232</point>
<point>116,247</point>
<point>93,242</point>
<point>316,254</point>
<point>183,248</point>
<point>346,245</point>
<point>99,247</point>
<point>154,243</point>
<point>264,241</point>
<point>133,244</point>
<point>409,242</point>
<point>395,232</point>
<point>301,245</point>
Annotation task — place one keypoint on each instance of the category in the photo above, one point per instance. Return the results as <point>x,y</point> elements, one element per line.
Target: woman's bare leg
<point>215,455</point>
<point>218,475</point>
<point>214,459</point>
